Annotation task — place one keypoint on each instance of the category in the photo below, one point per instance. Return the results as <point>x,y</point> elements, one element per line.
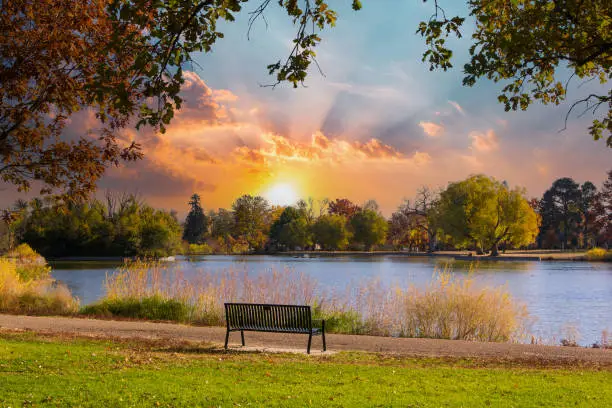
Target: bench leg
<point>242,337</point>
<point>309,342</point>
<point>324,345</point>
<point>226,338</point>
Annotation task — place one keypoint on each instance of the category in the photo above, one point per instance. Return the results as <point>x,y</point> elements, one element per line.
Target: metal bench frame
<point>271,318</point>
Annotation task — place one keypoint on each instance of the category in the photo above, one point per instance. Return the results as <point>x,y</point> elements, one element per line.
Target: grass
<point>53,371</point>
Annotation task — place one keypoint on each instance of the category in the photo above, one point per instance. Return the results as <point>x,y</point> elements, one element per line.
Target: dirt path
<point>336,342</point>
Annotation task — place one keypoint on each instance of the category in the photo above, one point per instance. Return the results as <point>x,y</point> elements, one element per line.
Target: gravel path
<point>548,355</point>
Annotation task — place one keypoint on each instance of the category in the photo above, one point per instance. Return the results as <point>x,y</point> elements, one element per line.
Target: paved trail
<point>336,342</point>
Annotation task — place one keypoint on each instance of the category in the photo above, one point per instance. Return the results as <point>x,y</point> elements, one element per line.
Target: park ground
<point>92,363</point>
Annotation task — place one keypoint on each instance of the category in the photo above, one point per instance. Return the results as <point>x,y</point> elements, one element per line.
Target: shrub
<point>599,254</point>
<point>32,296</point>
<point>199,249</point>
<point>340,321</point>
<point>151,308</point>
<point>29,263</point>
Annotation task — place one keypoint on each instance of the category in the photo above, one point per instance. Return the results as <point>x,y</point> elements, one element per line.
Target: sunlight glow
<point>282,194</point>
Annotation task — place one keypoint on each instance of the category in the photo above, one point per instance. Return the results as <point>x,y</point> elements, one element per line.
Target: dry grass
<point>457,309</point>
<point>448,308</point>
<point>32,296</point>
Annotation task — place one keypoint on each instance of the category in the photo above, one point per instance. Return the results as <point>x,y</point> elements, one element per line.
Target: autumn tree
<point>196,222</point>
<point>530,45</point>
<point>343,207</point>
<point>369,228</point>
<point>400,226</point>
<point>482,211</point>
<point>251,220</point>
<point>330,232</point>
<point>291,230</point>
<point>120,60</point>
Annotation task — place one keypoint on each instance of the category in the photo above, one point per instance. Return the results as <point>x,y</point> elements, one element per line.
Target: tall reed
<point>448,308</point>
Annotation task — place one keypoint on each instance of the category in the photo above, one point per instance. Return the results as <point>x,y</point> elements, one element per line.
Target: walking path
<point>335,342</point>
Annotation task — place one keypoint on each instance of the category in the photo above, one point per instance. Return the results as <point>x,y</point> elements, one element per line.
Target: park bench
<point>271,318</point>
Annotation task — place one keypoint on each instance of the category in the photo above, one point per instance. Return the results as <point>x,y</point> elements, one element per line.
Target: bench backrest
<point>266,317</point>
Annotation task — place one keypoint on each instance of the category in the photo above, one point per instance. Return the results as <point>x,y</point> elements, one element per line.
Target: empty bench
<point>272,318</point>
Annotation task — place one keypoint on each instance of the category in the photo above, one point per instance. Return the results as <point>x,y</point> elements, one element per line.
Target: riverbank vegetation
<point>449,308</point>
<point>478,214</point>
<point>111,372</point>
<point>26,286</point>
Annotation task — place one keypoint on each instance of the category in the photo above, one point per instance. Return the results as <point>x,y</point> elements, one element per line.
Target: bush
<point>30,265</point>
<point>32,296</point>
<point>599,254</point>
<point>151,308</point>
<point>340,321</point>
<point>199,249</point>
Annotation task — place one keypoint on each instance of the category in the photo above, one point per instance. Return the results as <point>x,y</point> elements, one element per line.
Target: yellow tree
<point>482,211</point>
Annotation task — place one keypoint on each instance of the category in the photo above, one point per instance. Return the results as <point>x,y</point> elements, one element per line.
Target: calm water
<point>558,294</point>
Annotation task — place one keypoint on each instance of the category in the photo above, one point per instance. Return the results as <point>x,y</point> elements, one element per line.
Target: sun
<point>282,194</point>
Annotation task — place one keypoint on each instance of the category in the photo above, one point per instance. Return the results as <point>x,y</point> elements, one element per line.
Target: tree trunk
<point>495,249</point>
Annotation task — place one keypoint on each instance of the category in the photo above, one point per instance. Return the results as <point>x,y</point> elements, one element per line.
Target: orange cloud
<point>484,142</point>
<point>320,148</point>
<point>432,129</point>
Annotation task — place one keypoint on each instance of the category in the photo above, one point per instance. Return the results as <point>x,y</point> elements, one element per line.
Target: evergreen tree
<point>196,223</point>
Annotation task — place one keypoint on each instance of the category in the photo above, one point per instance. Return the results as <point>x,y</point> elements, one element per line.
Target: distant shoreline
<point>530,256</point>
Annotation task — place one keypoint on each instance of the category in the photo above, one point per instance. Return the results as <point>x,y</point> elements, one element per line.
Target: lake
<point>558,294</point>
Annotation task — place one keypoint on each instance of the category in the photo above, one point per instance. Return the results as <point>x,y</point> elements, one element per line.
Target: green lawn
<point>64,372</point>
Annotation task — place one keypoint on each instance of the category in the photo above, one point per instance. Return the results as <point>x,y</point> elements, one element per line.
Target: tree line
<point>478,213</point>
<point>120,225</point>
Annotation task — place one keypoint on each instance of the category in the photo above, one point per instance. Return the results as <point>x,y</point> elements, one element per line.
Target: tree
<point>587,207</point>
<point>482,211</point>
<point>126,227</point>
<point>425,210</point>
<point>196,223</point>
<point>606,210</point>
<point>330,232</point>
<point>528,44</point>
<point>251,220</point>
<point>343,206</point>
<point>291,230</point>
<point>121,59</point>
<point>565,197</point>
<point>369,228</point>
<point>400,226</point>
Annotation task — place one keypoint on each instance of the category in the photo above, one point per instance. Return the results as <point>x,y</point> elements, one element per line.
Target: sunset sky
<point>378,125</point>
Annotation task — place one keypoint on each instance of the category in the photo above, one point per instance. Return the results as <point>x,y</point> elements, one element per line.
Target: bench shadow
<point>206,349</point>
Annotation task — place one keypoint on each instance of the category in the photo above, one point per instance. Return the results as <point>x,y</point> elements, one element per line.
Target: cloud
<point>278,148</point>
<point>457,107</point>
<point>484,142</point>
<point>432,129</point>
